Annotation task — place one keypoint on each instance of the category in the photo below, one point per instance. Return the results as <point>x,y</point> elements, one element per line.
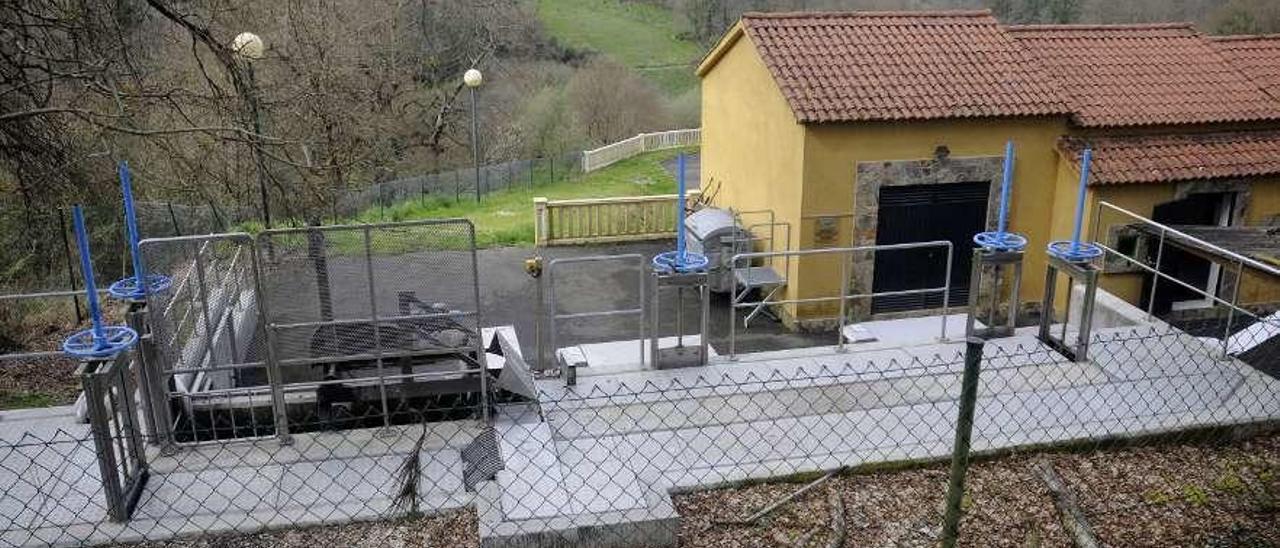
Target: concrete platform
<point>612,358</point>
<point>804,411</point>
<point>55,494</point>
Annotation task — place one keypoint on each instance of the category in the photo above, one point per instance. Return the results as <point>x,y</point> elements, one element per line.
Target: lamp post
<point>473,79</point>
<point>249,47</point>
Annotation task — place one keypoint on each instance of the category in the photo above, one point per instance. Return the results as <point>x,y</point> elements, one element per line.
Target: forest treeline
<point>706,20</point>
<point>347,93</point>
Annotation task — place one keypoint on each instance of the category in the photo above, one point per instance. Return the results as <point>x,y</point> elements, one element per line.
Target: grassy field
<point>505,217</point>
<point>641,36</point>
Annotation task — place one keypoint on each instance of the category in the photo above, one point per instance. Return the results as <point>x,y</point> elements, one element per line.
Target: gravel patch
<point>1006,506</point>
<point>1181,495</point>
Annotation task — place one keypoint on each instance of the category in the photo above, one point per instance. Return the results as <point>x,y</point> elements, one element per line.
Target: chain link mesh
<point>596,463</point>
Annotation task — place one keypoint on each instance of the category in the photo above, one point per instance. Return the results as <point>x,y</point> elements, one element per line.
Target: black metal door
<point>921,213</point>
<point>1197,209</point>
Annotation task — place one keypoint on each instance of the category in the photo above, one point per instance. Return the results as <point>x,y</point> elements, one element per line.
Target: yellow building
<point>859,129</point>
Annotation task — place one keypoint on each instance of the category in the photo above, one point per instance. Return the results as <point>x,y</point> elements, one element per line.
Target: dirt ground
<point>1179,495</point>
<point>445,530</point>
<point>1195,494</point>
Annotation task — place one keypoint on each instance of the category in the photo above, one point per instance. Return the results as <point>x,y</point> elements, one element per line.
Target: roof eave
<point>722,47</point>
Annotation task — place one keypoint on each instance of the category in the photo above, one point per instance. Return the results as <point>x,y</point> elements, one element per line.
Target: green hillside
<point>641,36</point>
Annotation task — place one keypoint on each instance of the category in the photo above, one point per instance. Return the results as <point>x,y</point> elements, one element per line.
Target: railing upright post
<point>377,332</point>
<point>1155,280</point>
<point>148,381</point>
<point>541,224</point>
<point>1231,310</point>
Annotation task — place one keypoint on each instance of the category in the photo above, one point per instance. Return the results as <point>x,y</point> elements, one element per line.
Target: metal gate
<point>109,402</point>
<point>577,303</point>
<point>314,328</point>
<point>354,313</point>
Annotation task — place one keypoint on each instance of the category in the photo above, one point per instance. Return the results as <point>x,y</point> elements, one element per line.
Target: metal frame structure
<point>680,281</point>
<point>379,355</point>
<point>122,460</point>
<point>554,315</point>
<point>162,373</point>
<point>844,296</point>
<point>748,280</point>
<point>996,261</point>
<point>1084,273</point>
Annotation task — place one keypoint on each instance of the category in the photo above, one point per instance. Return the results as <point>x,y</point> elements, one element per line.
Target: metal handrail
<point>1254,263</point>
<point>844,296</point>
<point>554,315</point>
<point>1229,257</point>
<point>46,295</point>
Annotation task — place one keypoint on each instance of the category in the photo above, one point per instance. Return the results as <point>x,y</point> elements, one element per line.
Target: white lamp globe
<point>248,45</point>
<point>472,78</point>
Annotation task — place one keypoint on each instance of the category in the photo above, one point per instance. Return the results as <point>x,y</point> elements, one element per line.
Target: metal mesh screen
<point>208,350</point>
<point>368,317</point>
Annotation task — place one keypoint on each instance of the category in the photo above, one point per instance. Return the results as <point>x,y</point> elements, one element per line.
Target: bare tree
<point>613,103</point>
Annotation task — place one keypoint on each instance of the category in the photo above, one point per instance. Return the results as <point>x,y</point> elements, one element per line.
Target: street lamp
<point>249,47</point>
<point>473,79</point>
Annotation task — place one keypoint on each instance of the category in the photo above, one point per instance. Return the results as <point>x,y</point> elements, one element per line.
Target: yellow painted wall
<point>832,152</point>
<point>752,147</point>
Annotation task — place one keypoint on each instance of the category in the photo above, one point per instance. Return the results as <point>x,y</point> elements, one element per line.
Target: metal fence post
<point>377,334</point>
<point>146,354</point>
<point>173,218</point>
<point>71,271</point>
<point>964,430</point>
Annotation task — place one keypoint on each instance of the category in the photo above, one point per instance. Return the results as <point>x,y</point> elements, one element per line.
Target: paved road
<point>692,169</point>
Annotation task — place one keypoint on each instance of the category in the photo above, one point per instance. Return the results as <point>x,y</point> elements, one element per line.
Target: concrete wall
<point>752,147</point>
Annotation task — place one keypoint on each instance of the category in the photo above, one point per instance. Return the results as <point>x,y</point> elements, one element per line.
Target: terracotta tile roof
<point>852,66</point>
<point>1182,157</point>
<point>1124,75</point>
<point>1258,57</point>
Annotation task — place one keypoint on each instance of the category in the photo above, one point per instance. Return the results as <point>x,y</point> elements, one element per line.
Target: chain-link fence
<point>378,200</point>
<point>596,464</point>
